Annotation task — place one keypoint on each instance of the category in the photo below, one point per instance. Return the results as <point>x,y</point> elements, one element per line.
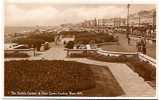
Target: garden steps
<point>131,83</point>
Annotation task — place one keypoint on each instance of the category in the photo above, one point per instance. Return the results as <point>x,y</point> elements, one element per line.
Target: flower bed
<point>108,58</point>
<point>16,55</point>
<point>144,69</point>
<point>47,76</point>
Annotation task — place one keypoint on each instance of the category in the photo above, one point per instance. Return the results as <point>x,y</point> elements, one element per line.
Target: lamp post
<point>139,21</point>
<point>154,20</point>
<point>128,6</point>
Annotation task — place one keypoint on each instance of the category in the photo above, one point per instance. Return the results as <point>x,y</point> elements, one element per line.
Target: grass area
<point>54,76</point>
<point>106,84</point>
<point>16,55</point>
<point>115,48</point>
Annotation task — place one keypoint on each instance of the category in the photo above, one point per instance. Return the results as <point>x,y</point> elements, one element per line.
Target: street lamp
<point>154,20</point>
<point>128,6</point>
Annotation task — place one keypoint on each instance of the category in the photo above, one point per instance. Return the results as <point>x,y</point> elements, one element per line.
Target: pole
<point>114,22</point>
<point>139,20</point>
<point>154,20</point>
<point>34,51</point>
<point>128,6</point>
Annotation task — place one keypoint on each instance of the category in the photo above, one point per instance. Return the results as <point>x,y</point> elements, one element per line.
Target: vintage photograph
<point>83,50</point>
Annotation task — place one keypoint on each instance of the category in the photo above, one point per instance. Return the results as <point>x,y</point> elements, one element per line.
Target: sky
<point>50,14</point>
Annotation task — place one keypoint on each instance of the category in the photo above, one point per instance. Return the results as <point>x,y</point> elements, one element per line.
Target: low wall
<point>146,58</point>
<point>141,56</point>
<point>112,53</point>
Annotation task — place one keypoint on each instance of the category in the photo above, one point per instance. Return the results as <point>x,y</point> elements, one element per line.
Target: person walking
<point>138,46</point>
<point>128,40</point>
<point>143,42</point>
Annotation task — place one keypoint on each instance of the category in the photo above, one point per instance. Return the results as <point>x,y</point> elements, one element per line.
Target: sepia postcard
<point>79,50</point>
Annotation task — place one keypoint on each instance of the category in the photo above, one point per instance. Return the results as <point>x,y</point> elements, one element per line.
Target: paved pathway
<point>151,51</point>
<point>55,53</point>
<point>131,83</point>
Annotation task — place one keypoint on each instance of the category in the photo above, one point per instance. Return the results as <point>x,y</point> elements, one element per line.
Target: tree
<point>70,45</point>
<point>38,43</point>
<point>31,42</point>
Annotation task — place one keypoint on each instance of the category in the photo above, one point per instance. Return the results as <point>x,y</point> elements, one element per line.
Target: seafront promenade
<point>131,83</point>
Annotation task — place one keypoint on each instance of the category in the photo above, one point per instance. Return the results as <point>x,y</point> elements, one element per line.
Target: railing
<point>100,51</point>
<point>141,56</point>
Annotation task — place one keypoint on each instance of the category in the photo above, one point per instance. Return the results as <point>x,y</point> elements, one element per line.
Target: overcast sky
<point>49,14</point>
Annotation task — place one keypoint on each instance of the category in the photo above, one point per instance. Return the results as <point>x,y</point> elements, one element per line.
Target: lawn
<point>58,76</point>
<point>115,48</point>
<point>106,84</point>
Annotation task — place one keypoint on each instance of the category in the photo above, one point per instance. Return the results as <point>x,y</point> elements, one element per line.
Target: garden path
<point>56,52</point>
<point>151,48</point>
<point>130,82</point>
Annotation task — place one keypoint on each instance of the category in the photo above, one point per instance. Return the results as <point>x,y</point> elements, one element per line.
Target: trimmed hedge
<point>97,37</point>
<point>16,55</point>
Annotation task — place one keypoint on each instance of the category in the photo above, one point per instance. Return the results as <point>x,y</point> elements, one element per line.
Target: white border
<point>2,20</point>
<point>1,47</point>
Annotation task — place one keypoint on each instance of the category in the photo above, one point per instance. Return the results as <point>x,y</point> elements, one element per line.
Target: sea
<point>14,29</point>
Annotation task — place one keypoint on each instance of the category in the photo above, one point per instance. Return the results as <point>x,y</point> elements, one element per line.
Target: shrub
<point>70,45</point>
<point>45,36</point>
<point>16,55</point>
<point>97,37</point>
<point>35,40</point>
<point>36,43</point>
<point>144,69</point>
<point>46,46</point>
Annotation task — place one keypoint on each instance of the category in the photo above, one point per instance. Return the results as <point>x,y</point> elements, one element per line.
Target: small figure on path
<point>141,45</point>
<point>128,40</point>
<point>143,42</point>
<point>138,46</point>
